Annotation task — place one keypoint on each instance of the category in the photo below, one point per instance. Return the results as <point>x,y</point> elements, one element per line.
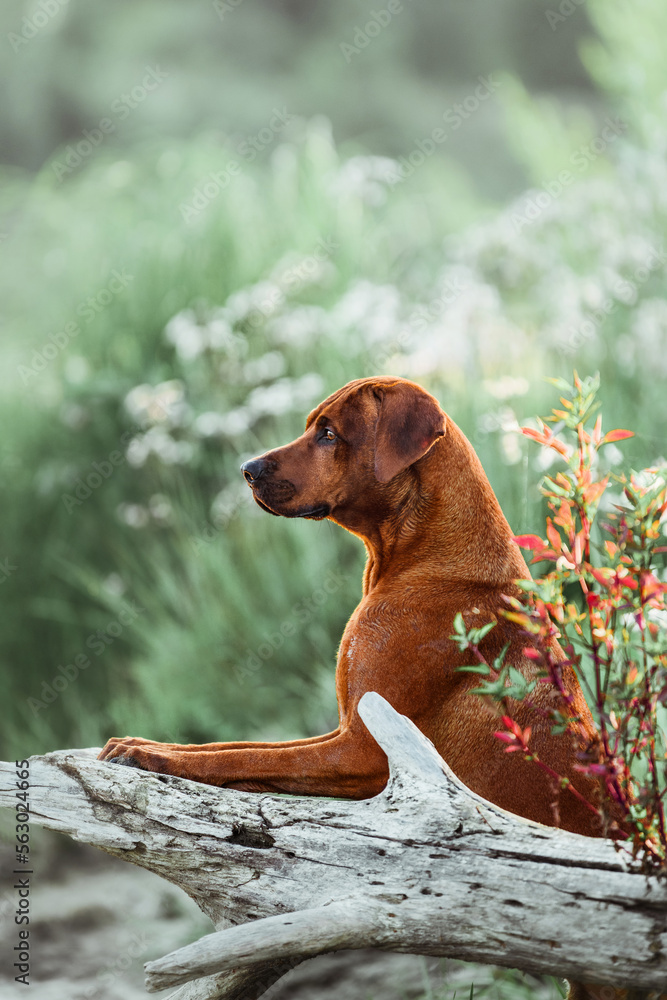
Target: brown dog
<point>380,458</point>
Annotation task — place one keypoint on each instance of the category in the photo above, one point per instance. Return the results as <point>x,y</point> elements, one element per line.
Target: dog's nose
<point>253,469</point>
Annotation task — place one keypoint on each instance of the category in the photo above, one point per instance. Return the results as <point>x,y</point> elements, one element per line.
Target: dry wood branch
<point>426,867</point>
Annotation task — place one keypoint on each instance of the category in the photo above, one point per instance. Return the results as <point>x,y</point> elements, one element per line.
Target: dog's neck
<point>446,504</point>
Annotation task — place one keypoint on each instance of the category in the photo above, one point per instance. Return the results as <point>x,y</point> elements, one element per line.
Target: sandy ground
<point>95,920</point>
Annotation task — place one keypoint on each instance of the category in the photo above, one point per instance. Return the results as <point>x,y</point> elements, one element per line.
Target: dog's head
<point>356,443</point>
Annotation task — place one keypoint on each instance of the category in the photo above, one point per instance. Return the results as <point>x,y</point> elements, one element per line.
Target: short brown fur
<point>402,476</point>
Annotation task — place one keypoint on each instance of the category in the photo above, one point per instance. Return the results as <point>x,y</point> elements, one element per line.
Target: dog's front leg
<point>119,744</point>
<point>348,765</point>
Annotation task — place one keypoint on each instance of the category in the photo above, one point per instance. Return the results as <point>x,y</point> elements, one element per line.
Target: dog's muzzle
<point>271,495</point>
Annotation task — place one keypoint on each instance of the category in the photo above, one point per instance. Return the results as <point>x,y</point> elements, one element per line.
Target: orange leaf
<point>618,435</point>
<point>553,536</point>
<point>579,541</point>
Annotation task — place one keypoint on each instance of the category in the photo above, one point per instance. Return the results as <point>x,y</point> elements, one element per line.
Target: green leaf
<point>494,689</point>
<point>561,384</point>
<point>464,637</point>
<point>499,661</point>
<point>518,687</point>
<point>477,634</point>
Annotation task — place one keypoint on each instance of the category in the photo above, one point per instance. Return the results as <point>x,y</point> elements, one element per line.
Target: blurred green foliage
<point>166,316</point>
<point>230,61</point>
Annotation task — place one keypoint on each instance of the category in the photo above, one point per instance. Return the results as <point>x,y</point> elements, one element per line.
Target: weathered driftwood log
<point>426,867</point>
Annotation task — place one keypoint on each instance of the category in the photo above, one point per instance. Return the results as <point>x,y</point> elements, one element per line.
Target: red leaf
<point>600,577</point>
<point>617,435</point>
<point>531,653</point>
<point>529,542</point>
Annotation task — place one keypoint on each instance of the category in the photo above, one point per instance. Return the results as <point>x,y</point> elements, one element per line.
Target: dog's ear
<point>408,423</point>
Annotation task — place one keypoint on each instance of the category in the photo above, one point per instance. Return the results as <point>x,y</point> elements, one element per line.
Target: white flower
<point>612,456</point>
<point>507,386</point>
<point>366,178</point>
<point>191,338</point>
<point>114,585</point>
<point>295,271</point>
<point>158,404</point>
<point>369,310</point>
<point>133,514</point>
<point>229,424</point>
<point>299,326</point>
<point>209,424</point>
<point>186,335</point>
<point>268,366</point>
<point>254,303</point>
<point>138,451</point>
<point>237,421</point>
<point>511,447</point>
<point>157,441</point>
<point>160,508</point>
<point>220,335</point>
<point>285,395</point>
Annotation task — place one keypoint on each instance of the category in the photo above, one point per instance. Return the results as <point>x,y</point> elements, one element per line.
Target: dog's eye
<point>328,434</point>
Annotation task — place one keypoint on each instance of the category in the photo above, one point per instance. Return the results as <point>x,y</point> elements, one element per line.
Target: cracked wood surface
<point>426,867</point>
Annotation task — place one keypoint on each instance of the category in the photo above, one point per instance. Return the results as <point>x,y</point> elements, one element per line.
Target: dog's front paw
<point>144,760</point>
<point>137,753</point>
<point>119,744</point>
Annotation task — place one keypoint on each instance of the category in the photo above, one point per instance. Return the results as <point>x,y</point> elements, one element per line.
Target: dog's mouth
<point>316,513</point>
